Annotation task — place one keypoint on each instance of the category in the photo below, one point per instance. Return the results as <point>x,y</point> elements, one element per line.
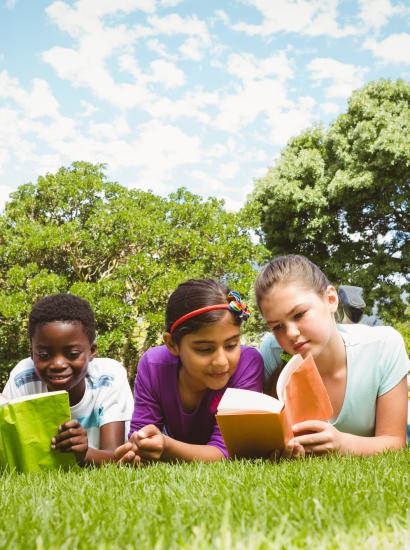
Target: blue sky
<point>171,93</point>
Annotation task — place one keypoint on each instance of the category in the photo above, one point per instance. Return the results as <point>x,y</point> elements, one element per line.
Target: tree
<point>123,250</point>
<point>341,196</point>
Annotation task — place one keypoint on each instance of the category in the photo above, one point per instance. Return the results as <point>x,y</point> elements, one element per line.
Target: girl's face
<point>209,357</point>
<point>301,320</point>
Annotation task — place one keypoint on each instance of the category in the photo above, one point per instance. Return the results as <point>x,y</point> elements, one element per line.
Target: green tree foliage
<point>123,250</point>
<point>341,196</point>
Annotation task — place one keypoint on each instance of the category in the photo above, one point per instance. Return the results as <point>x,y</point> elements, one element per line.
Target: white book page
<point>32,396</point>
<point>290,367</point>
<point>235,400</point>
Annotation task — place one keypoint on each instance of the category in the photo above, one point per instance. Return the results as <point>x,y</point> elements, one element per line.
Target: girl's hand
<point>149,441</point>
<point>71,437</point>
<point>292,450</point>
<point>127,454</point>
<point>324,439</point>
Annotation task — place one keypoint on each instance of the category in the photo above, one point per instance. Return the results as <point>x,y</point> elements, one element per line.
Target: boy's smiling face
<point>61,352</point>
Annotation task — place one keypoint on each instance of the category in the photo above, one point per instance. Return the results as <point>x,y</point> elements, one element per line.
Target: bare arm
<point>390,431</point>
<point>72,437</point>
<point>150,444</point>
<point>391,420</point>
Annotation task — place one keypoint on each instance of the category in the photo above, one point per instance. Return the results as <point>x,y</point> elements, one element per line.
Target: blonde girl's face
<point>209,357</point>
<point>301,319</point>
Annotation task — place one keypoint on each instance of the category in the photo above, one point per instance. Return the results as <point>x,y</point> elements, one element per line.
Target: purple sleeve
<point>248,376</point>
<point>147,409</point>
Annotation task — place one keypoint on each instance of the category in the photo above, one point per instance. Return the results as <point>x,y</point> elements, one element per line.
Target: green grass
<point>315,503</point>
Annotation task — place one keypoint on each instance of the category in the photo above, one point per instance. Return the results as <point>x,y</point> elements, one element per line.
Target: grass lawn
<point>315,503</point>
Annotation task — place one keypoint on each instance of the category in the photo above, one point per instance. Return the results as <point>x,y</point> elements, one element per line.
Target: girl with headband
<point>179,384</point>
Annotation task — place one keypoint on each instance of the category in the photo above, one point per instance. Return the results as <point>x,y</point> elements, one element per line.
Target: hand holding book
<point>255,425</point>
<point>71,437</point>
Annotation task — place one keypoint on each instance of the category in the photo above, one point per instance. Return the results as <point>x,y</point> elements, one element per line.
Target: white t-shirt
<point>107,397</point>
<point>376,362</point>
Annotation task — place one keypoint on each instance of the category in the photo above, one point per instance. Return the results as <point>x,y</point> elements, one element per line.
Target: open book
<point>27,425</point>
<point>255,424</point>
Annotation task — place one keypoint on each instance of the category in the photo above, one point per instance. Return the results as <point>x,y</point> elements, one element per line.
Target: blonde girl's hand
<point>150,442</point>
<point>322,439</point>
<point>292,450</point>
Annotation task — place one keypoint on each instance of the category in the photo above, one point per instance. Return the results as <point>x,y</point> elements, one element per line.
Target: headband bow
<point>235,304</point>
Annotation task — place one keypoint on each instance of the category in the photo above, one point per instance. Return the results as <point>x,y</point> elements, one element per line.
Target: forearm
<point>97,457</point>
<point>177,450</point>
<point>366,446</point>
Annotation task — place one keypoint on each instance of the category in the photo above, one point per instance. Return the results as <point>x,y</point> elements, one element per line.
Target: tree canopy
<point>341,196</point>
<point>124,250</point>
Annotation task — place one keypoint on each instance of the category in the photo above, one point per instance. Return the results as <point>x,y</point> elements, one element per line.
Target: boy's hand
<point>71,437</point>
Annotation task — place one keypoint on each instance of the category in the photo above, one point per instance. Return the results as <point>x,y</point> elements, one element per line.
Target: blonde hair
<point>290,268</point>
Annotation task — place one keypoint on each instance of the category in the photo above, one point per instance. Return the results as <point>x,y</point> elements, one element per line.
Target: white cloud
<point>343,77</point>
<point>330,108</point>
<point>89,108</point>
<point>86,64</point>
<point>110,130</point>
<point>167,73</point>
<point>191,105</point>
<point>393,49</point>
<point>194,46</point>
<point>159,48</point>
<point>290,122</point>
<point>170,3</point>
<point>309,17</point>
<point>221,15</point>
<point>254,98</point>
<point>5,191</point>
<point>376,13</point>
<point>246,66</point>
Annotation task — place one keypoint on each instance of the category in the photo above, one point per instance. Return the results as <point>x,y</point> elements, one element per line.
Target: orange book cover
<point>255,424</point>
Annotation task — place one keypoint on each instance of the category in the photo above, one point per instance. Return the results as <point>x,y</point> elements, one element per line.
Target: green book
<point>27,425</point>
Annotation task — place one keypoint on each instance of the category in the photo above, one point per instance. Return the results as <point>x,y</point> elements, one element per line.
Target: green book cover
<point>27,425</point>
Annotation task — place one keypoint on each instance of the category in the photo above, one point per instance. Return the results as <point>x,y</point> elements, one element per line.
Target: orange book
<point>254,424</point>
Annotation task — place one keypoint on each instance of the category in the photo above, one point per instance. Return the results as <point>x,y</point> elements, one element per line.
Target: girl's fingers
<point>129,458</point>
<point>146,432</point>
<point>310,439</point>
<point>310,426</point>
<point>123,450</point>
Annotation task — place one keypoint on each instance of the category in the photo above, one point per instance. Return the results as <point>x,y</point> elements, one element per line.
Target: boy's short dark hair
<point>62,307</point>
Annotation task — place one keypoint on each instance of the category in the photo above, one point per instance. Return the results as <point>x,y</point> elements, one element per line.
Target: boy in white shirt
<point>61,330</point>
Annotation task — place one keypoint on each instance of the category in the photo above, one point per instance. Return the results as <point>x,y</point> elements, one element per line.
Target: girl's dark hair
<point>62,307</point>
<point>290,268</point>
<point>191,295</point>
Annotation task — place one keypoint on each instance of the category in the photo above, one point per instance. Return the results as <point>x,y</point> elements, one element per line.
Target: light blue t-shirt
<point>376,362</point>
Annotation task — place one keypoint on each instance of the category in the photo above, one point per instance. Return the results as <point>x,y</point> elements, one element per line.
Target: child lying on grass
<point>363,368</point>
<point>63,357</point>
<point>178,385</point>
